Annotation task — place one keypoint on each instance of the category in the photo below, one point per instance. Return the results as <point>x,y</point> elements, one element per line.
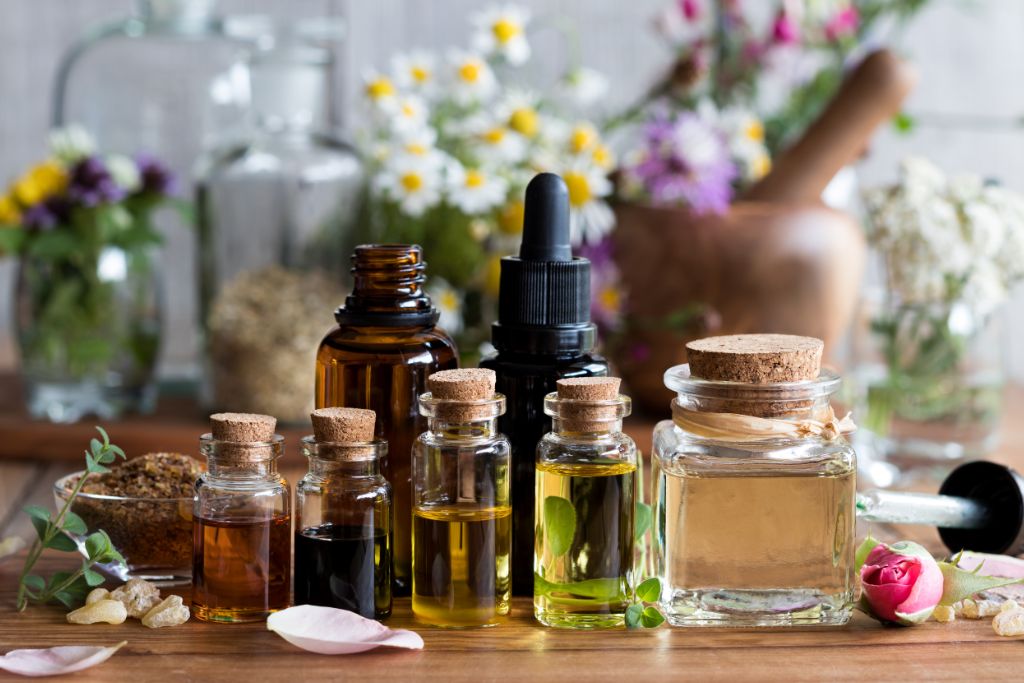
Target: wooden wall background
<point>969,105</point>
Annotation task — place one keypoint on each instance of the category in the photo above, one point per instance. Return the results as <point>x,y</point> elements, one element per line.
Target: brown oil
<point>461,565</point>
<point>240,568</point>
<point>379,357</point>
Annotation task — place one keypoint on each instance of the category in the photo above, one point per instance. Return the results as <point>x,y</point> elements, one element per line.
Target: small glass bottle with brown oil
<point>343,518</point>
<point>754,487</point>
<point>462,516</point>
<point>241,551</point>
<point>378,357</point>
<point>585,507</point>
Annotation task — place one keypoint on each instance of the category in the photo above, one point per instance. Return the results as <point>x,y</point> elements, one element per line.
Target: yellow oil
<point>585,582</point>
<point>461,565</point>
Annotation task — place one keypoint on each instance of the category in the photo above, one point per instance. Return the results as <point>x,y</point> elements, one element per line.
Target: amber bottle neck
<point>387,288</point>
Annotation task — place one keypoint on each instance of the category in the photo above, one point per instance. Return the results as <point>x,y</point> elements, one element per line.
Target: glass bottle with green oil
<point>462,513</point>
<point>586,499</point>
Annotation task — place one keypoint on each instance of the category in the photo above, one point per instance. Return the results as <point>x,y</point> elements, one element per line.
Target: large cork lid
<point>580,408</point>
<point>343,425</point>
<point>242,427</point>
<point>460,391</point>
<point>755,358</point>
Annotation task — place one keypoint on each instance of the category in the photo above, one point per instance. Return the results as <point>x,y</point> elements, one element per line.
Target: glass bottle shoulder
<point>496,444</point>
<point>411,345</point>
<point>304,157</point>
<point>209,484</point>
<point>360,488</point>
<point>612,448</point>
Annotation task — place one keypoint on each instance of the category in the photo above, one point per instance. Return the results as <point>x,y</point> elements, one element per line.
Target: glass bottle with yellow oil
<point>585,508</point>
<point>462,513</point>
<point>754,487</point>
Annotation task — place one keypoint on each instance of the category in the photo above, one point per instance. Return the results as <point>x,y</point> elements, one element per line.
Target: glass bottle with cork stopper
<point>241,526</point>
<point>378,357</point>
<point>343,516</point>
<point>462,515</point>
<point>754,487</point>
<point>585,507</point>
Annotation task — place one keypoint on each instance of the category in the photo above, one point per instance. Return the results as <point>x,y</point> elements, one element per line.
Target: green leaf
<point>35,582</point>
<point>643,520</point>
<point>651,617</point>
<point>74,595</point>
<point>42,527</point>
<point>11,239</point>
<point>959,584</point>
<point>54,245</point>
<point>103,433</point>
<point>37,512</point>
<point>649,590</point>
<point>903,123</point>
<point>95,447</point>
<point>559,524</point>
<point>91,577</point>
<point>117,451</point>
<point>62,543</point>
<point>97,545</point>
<point>634,613</point>
<point>863,550</point>
<point>914,618</point>
<point>73,523</point>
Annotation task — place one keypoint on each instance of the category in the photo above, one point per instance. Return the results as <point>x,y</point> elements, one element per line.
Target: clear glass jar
<point>343,528</point>
<point>587,485</point>
<point>89,332</point>
<point>241,555</point>
<point>753,530</point>
<point>462,515</point>
<point>275,211</point>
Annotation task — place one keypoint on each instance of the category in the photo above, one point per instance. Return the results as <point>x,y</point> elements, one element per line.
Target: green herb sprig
<point>642,615</point>
<point>69,588</point>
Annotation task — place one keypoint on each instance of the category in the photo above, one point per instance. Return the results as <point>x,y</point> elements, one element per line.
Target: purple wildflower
<point>683,161</point>
<point>47,215</point>
<point>156,177</point>
<point>606,297</point>
<point>91,184</point>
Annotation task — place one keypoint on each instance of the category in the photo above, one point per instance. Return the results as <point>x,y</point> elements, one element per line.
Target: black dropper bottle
<point>543,334</point>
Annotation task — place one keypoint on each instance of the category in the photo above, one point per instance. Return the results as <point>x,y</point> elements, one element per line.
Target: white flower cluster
<point>744,133</point>
<point>950,239</point>
<point>445,131</point>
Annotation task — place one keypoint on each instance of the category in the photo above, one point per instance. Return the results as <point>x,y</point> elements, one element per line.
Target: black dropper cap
<point>544,293</point>
<point>999,489</point>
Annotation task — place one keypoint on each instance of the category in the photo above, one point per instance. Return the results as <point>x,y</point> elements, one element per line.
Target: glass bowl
<point>153,534</point>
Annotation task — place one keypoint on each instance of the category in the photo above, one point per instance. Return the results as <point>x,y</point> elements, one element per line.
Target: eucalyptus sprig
<point>56,533</point>
<point>643,615</point>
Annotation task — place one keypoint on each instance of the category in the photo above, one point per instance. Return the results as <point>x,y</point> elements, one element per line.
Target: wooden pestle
<point>871,94</point>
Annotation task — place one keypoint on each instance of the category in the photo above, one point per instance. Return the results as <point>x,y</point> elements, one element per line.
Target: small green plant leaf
<point>863,550</point>
<point>649,590</point>
<point>97,544</point>
<point>959,584</point>
<point>559,524</point>
<point>62,543</point>
<point>634,613</point>
<point>73,524</point>
<point>651,618</point>
<point>37,512</point>
<point>91,577</point>
<point>643,520</point>
<point>35,582</point>
<point>103,433</point>
<point>95,447</point>
<point>117,451</point>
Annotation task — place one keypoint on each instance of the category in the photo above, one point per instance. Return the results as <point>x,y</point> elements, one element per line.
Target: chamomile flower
<point>471,77</point>
<point>582,137</point>
<point>408,113</point>
<point>583,87</point>
<point>494,141</point>
<point>475,190</point>
<point>501,31</point>
<point>415,71</point>
<point>419,146</point>
<point>448,302</point>
<point>518,109</point>
<point>590,216</point>
<point>415,186</point>
<point>124,172</point>
<point>379,90</point>
<point>744,133</point>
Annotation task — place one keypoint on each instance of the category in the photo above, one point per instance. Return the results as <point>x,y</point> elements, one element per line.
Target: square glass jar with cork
<point>754,487</point>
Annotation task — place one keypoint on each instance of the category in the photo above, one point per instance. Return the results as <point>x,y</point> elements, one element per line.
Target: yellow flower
<point>761,165</point>
<point>579,187</point>
<point>411,181</point>
<point>492,276</point>
<point>470,70</point>
<point>524,121</point>
<point>380,88</point>
<point>603,157</point>
<point>610,298</point>
<point>583,137</point>
<point>510,219</point>
<point>754,131</point>
<point>40,182</point>
<point>504,30</point>
<point>9,213</point>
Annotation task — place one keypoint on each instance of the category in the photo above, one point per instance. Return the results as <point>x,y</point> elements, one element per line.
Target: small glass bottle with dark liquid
<point>462,516</point>
<point>378,357</point>
<point>343,516</point>
<point>585,508</point>
<point>241,551</point>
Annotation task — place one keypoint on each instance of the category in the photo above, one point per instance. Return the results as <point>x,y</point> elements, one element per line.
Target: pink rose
<point>784,30</point>
<point>901,583</point>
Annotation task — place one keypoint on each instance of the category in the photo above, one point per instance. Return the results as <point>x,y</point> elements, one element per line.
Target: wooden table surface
<point>517,650</point>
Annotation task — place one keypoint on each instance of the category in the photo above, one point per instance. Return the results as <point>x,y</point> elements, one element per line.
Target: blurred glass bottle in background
<point>274,212</point>
<point>166,81</point>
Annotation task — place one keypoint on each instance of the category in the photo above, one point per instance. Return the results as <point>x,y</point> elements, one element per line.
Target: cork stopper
<point>577,397</point>
<point>755,358</point>
<point>343,425</point>
<point>458,391</point>
<point>242,427</point>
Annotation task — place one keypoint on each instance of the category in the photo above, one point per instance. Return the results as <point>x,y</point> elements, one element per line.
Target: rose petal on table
<point>333,631</point>
<point>992,565</point>
<point>53,661</point>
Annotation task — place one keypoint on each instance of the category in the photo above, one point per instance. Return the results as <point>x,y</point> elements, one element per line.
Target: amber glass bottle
<point>378,357</point>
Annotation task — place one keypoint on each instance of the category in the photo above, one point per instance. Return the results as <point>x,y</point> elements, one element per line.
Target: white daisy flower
<point>407,113</point>
<point>493,140</point>
<point>124,171</point>
<point>71,143</point>
<point>448,302</point>
<point>583,87</point>
<point>419,144</point>
<point>471,77</point>
<point>519,110</point>
<point>591,217</point>
<point>415,186</point>
<point>378,89</point>
<point>475,191</point>
<point>501,31</point>
<point>415,71</point>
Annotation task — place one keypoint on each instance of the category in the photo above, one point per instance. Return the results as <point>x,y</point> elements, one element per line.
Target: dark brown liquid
<point>240,569</point>
<point>385,370</point>
<point>345,566</point>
